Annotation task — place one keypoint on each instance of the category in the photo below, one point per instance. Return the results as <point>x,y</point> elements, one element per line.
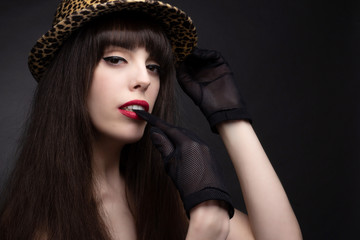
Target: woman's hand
<point>207,78</point>
<point>189,163</point>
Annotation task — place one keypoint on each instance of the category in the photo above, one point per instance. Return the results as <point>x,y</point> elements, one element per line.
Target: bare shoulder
<point>240,227</point>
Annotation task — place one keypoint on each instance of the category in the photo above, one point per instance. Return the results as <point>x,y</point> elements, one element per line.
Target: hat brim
<point>177,26</point>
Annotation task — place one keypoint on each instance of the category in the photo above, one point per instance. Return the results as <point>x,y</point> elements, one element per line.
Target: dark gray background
<point>297,64</point>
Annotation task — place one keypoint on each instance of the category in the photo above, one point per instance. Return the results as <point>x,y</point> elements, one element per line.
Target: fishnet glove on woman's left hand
<point>189,163</point>
<point>208,80</point>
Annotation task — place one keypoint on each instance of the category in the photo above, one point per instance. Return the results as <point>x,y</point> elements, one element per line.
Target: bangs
<point>131,31</point>
<point>128,31</point>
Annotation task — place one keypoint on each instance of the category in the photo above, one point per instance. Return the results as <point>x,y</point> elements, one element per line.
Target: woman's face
<point>123,79</point>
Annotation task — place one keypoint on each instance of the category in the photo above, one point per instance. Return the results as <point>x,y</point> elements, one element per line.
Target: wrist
<point>227,127</point>
<point>224,116</point>
<point>209,195</point>
<point>209,220</point>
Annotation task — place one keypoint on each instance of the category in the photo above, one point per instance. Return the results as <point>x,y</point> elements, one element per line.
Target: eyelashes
<point>154,68</point>
<point>117,60</point>
<point>114,60</point>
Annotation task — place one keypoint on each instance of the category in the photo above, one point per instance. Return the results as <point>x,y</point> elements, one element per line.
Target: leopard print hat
<point>72,14</point>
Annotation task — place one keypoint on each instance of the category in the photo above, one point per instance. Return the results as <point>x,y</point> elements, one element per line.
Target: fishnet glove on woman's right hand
<point>208,80</point>
<point>189,163</point>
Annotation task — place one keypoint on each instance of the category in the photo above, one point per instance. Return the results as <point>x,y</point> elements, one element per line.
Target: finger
<point>176,135</point>
<point>203,58</point>
<point>153,120</point>
<point>143,114</point>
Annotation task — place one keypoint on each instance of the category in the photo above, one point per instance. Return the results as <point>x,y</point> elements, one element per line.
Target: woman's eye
<point>154,68</point>
<point>114,60</point>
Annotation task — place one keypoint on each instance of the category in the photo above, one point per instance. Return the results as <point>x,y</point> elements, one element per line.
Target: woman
<point>100,62</point>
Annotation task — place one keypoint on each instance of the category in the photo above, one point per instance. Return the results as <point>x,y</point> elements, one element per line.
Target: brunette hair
<point>51,191</point>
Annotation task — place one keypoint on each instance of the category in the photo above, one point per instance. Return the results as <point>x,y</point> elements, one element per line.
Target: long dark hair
<point>51,192</point>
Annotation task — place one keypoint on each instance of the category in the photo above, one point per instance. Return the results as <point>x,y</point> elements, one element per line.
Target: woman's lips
<point>126,108</point>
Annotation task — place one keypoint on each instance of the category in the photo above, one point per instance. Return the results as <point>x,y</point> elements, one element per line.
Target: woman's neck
<point>105,164</point>
<point>110,190</point>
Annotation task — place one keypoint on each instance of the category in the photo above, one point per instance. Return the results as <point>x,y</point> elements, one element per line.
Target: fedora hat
<point>73,14</point>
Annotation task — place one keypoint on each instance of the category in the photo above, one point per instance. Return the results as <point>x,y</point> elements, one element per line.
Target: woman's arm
<point>207,78</point>
<point>269,210</point>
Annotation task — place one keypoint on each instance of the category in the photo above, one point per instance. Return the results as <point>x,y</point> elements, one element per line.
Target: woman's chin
<point>132,139</point>
<point>122,137</point>
<point>132,136</point>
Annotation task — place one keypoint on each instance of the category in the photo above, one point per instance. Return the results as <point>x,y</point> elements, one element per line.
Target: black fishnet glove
<point>207,78</point>
<point>189,163</point>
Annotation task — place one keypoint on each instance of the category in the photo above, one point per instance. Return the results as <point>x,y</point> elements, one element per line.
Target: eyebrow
<point>117,48</point>
<point>129,50</point>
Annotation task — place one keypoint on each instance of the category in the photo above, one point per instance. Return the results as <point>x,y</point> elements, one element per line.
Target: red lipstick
<point>126,108</point>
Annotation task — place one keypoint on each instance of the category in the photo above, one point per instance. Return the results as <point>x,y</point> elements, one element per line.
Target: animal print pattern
<point>72,14</point>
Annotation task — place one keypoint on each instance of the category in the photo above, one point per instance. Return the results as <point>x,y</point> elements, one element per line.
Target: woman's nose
<point>141,79</point>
